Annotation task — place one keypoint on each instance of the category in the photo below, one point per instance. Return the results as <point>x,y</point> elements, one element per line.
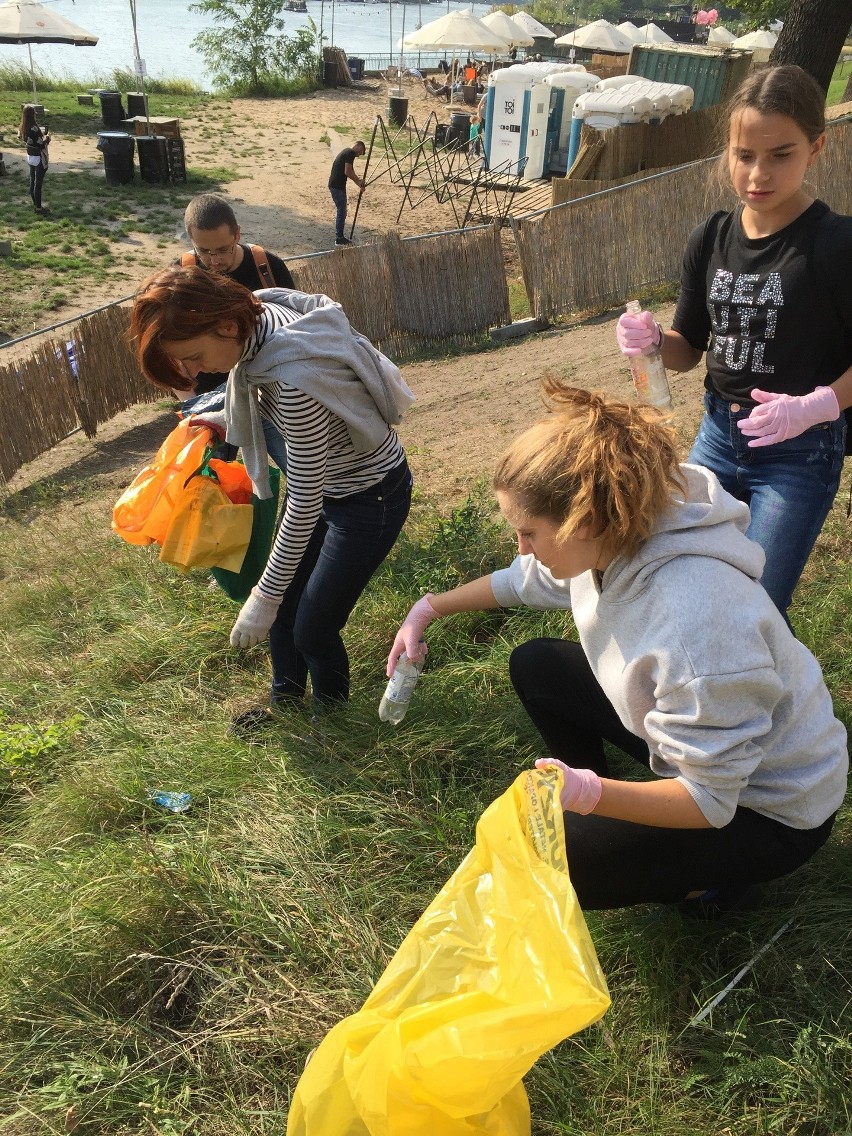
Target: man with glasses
<point>211,225</point>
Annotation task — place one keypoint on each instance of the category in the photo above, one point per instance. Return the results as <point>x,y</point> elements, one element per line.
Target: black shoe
<point>250,721</point>
<point>716,903</point>
<point>343,241</point>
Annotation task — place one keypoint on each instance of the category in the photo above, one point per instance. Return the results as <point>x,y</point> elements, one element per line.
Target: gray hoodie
<point>697,660</point>
<point>322,355</point>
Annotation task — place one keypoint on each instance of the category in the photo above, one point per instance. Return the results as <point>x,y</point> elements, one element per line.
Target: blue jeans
<point>789,487</point>
<point>276,447</point>
<point>352,537</point>
<point>338,196</point>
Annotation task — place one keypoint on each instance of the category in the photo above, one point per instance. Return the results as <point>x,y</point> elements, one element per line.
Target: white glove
<point>256,617</point>
<point>213,419</point>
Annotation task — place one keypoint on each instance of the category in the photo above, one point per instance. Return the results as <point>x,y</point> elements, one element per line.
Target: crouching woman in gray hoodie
<point>294,360</point>
<point>683,663</point>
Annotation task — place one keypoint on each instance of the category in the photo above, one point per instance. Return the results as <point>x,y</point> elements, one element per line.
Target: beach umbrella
<point>598,36</point>
<point>762,39</point>
<point>531,25</point>
<point>456,30</point>
<point>652,34</point>
<point>721,36</point>
<point>631,31</point>
<point>24,21</point>
<point>506,27</point>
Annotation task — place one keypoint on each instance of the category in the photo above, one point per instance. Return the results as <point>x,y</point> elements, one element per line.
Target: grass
<point>90,237</point>
<point>169,974</point>
<point>837,86</point>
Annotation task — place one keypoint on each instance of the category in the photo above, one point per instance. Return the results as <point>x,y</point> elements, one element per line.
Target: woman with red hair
<point>294,360</point>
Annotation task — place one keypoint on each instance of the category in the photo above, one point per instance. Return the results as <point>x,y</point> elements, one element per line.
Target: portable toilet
<point>519,124</point>
<point>604,110</point>
<point>568,87</point>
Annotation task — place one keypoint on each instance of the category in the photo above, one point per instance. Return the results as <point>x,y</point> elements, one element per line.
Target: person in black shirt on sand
<point>342,168</point>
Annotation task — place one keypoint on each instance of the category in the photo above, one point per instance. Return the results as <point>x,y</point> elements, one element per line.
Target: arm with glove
<point>778,417</point>
<point>474,596</point>
<point>641,334</point>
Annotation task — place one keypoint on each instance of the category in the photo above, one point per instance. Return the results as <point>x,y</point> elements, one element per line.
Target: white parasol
<point>530,24</point>
<point>764,39</point>
<point>650,33</point>
<point>457,30</point>
<point>721,36</point>
<point>506,27</point>
<point>24,21</point>
<point>631,31</point>
<point>598,36</point>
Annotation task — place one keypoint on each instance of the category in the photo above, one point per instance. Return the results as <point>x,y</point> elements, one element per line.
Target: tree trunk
<point>813,35</point>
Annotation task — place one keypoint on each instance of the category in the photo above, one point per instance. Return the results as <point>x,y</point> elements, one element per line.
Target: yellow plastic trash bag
<point>498,969</point>
<point>143,512</point>
<point>207,530</point>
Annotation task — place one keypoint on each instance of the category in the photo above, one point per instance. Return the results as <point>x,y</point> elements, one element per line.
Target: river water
<point>167,27</point>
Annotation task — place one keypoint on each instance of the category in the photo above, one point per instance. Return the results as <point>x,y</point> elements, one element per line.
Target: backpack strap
<point>262,266</point>
<point>188,259</point>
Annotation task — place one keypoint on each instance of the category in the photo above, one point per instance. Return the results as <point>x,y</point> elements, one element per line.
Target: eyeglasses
<point>218,253</point>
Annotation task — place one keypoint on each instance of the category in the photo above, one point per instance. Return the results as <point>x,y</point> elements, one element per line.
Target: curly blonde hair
<point>610,465</point>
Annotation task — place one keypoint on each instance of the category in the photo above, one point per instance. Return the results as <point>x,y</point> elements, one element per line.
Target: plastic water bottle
<point>394,704</point>
<point>171,802</point>
<point>649,373</point>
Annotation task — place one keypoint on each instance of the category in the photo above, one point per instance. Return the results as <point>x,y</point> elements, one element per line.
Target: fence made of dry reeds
<point>597,251</point>
<point>410,296</point>
<point>43,399</point>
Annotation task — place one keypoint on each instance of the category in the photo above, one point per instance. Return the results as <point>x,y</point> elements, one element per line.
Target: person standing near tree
<point>37,142</point>
<point>343,170</point>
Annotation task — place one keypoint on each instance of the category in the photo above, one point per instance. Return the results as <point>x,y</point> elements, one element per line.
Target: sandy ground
<point>468,407</point>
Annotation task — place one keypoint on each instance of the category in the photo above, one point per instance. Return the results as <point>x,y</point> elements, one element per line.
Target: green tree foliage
<point>247,51</point>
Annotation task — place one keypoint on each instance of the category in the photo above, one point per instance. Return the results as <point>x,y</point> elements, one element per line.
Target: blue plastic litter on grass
<point>172,802</point>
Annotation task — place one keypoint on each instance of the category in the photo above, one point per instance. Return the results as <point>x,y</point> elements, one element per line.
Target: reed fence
<point>45,397</point>
<point>595,252</point>
<point>418,294</point>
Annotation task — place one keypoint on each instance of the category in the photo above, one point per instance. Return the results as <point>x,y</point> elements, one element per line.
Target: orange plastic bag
<point>498,969</point>
<point>143,512</point>
<point>207,530</point>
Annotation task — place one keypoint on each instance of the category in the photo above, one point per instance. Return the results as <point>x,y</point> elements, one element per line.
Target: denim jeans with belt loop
<point>352,537</point>
<point>789,487</point>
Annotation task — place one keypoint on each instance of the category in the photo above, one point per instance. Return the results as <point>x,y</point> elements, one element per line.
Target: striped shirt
<point>321,460</point>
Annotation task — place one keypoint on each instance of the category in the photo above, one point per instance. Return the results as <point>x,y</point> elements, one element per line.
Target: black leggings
<point>616,863</point>
<point>36,181</point>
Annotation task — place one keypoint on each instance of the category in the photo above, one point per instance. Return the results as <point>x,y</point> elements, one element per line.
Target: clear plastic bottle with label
<point>394,704</point>
<point>649,373</point>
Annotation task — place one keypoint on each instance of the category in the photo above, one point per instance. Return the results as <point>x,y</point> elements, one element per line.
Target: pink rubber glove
<point>581,788</point>
<point>783,416</point>
<point>409,636</point>
<point>637,335</point>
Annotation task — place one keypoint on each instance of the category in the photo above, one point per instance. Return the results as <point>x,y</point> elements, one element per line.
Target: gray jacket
<point>321,354</point>
<point>697,660</point>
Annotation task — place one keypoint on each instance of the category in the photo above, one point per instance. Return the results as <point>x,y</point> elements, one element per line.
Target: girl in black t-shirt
<point>767,287</point>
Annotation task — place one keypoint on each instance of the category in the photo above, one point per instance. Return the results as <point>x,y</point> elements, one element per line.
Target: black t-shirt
<point>337,177</point>
<point>776,311</point>
<point>245,273</point>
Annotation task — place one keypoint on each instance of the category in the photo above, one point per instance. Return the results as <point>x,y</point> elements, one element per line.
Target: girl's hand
<point>637,334</point>
<point>778,417</point>
<point>581,788</point>
<point>410,635</point>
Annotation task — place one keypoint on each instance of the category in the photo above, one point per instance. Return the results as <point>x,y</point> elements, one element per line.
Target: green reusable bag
<point>238,585</point>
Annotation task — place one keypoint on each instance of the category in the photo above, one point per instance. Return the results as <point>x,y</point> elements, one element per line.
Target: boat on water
<point>296,6</point>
